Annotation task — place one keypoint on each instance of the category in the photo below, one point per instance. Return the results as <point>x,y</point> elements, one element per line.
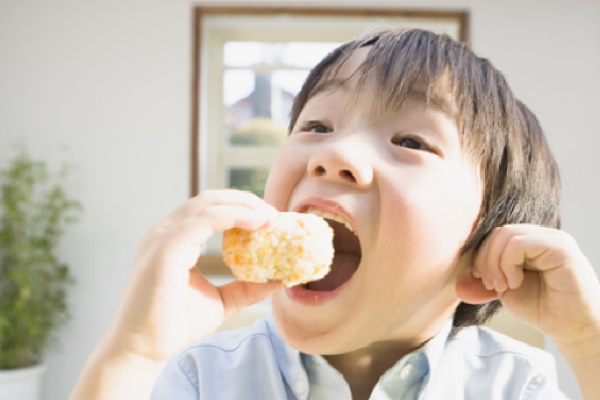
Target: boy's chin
<point>310,335</point>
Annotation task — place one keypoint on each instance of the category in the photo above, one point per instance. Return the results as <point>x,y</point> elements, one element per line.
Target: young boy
<point>452,197</point>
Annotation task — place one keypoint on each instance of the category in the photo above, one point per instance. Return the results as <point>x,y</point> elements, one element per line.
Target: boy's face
<point>402,182</point>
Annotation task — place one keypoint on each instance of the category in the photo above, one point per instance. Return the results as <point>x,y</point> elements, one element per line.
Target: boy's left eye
<point>410,143</point>
<point>319,129</point>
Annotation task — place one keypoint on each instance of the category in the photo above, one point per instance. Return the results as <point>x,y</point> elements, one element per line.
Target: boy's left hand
<point>542,277</point>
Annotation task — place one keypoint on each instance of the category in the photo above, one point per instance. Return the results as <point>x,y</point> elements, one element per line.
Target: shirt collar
<point>289,361</point>
<point>434,348</point>
<point>421,363</point>
<point>409,376</point>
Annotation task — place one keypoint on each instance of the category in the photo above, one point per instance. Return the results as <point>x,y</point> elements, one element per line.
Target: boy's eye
<point>316,127</point>
<point>320,129</point>
<point>410,143</point>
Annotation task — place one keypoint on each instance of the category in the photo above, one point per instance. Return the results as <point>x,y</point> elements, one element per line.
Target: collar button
<point>301,387</point>
<point>406,371</point>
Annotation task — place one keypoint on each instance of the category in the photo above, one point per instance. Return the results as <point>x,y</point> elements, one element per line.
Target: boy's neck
<point>363,368</point>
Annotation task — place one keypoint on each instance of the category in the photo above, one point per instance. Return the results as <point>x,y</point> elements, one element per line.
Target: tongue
<point>343,267</point>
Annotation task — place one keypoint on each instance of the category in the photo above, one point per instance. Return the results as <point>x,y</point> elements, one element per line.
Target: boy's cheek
<point>273,193</point>
<point>274,186</point>
<point>285,173</point>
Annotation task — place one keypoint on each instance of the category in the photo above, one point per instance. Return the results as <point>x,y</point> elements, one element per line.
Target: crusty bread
<point>297,249</point>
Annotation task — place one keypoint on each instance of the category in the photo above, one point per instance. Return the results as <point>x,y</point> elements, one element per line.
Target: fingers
<point>543,278</point>
<point>177,240</point>
<point>214,211</point>
<point>511,250</point>
<point>196,228</point>
<point>210,198</point>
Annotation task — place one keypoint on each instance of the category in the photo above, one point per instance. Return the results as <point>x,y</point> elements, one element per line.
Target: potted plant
<point>34,211</point>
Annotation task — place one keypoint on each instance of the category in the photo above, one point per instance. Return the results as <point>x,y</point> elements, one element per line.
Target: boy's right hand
<point>168,303</point>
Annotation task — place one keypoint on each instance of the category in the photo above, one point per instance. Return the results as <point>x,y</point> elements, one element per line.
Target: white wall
<point>105,85</point>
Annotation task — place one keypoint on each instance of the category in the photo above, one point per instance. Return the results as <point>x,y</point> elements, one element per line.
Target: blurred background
<point>107,86</point>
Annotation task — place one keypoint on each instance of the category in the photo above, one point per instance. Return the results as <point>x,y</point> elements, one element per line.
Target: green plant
<point>34,211</point>
<point>259,131</point>
<point>255,132</point>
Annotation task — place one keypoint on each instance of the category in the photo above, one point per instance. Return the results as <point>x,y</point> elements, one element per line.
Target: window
<point>248,66</point>
<point>259,80</point>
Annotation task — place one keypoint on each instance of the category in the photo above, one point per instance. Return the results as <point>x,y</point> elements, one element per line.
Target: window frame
<point>198,143</point>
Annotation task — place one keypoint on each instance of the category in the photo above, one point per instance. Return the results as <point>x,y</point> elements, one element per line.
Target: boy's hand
<point>543,278</point>
<point>168,303</point>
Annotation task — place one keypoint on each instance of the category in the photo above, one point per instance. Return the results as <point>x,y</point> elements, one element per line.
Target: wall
<point>105,85</point>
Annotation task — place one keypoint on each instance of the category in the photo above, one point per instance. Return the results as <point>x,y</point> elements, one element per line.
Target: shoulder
<point>247,363</point>
<point>482,359</point>
<point>223,348</point>
<point>486,342</point>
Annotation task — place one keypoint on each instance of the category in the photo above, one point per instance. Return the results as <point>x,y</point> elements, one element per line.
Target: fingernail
<point>486,282</point>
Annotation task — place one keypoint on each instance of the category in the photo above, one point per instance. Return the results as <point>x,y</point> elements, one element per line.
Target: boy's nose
<point>344,164</point>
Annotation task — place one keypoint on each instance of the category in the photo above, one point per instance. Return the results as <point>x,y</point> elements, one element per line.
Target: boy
<point>452,198</point>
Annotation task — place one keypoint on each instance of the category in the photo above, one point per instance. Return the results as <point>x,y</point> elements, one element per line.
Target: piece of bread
<point>296,249</point>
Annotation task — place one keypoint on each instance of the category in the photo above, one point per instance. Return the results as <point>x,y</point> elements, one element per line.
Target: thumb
<point>238,295</point>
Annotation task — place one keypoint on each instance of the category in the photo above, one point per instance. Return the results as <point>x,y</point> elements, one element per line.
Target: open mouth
<point>347,255</point>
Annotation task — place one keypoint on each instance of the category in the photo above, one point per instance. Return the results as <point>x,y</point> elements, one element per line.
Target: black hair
<point>500,134</point>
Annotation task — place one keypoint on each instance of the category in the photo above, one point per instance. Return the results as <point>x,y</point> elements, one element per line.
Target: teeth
<point>328,215</point>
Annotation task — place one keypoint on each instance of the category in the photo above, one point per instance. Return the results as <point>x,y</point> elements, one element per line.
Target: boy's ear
<point>471,290</point>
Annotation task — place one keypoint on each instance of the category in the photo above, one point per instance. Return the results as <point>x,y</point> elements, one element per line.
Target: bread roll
<point>297,249</point>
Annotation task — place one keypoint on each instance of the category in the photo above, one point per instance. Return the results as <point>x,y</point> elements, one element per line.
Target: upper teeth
<point>328,215</point>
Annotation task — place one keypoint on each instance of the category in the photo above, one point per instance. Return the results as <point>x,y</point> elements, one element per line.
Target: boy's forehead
<point>341,75</point>
<point>352,77</point>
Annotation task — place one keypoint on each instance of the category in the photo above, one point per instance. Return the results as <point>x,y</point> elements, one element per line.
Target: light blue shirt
<point>256,363</point>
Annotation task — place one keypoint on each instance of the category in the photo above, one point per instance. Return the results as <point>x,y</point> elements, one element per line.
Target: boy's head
<point>520,176</point>
<point>421,148</point>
